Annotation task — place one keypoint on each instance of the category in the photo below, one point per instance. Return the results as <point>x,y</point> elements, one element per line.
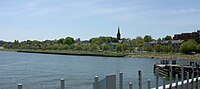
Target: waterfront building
<point>187,36</point>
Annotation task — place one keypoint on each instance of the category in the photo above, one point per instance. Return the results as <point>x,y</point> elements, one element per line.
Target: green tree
<point>66,47</point>
<point>78,47</point>
<point>148,38</point>
<point>68,40</point>
<point>119,47</point>
<point>72,47</point>
<point>94,47</point>
<point>124,47</point>
<point>198,48</point>
<point>188,46</point>
<point>105,47</point>
<point>86,47</point>
<point>158,48</point>
<point>169,48</point>
<point>61,41</point>
<point>148,48</point>
<point>168,38</point>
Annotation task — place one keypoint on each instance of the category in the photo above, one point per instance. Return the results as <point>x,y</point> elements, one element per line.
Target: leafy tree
<point>61,41</point>
<point>86,47</point>
<point>188,46</point>
<point>119,47</point>
<point>68,40</point>
<point>148,38</point>
<point>168,38</point>
<point>158,48</point>
<point>105,47</point>
<point>72,47</point>
<point>94,47</point>
<point>169,48</point>
<point>133,43</point>
<point>95,41</point>
<point>66,47</point>
<point>78,47</point>
<point>124,47</point>
<point>198,48</point>
<point>148,48</point>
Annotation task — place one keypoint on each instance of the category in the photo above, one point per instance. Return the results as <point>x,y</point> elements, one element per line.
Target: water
<point>43,71</point>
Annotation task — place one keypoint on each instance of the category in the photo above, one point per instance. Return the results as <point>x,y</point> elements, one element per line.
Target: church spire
<point>118,34</point>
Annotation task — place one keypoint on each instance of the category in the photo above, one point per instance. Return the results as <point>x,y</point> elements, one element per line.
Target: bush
<point>188,46</point>
<point>198,48</point>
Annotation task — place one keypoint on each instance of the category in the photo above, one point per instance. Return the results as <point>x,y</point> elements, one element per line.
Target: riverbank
<point>78,53</point>
<point>174,56</point>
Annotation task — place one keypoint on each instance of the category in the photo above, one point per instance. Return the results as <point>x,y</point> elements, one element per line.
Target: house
<point>187,36</point>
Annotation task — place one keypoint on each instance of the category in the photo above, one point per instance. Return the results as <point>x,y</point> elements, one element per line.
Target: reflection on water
<point>41,71</point>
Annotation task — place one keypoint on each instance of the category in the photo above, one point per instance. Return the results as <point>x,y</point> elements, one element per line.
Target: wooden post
<point>163,82</point>
<point>197,80</point>
<point>62,80</point>
<point>192,82</point>
<point>148,84</point>
<point>19,86</point>
<point>140,79</point>
<point>176,81</point>
<point>170,77</point>
<point>187,80</point>
<point>157,78</point>
<point>96,82</point>
<point>182,76</point>
<point>130,85</point>
<point>120,80</point>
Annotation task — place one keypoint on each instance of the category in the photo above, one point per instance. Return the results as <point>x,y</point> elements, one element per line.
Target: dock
<point>164,68</point>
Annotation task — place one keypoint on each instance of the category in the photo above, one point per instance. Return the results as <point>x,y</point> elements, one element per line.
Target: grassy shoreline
<point>174,56</point>
<point>78,53</point>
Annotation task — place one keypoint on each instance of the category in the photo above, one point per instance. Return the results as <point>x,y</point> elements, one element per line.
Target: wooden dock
<point>164,69</point>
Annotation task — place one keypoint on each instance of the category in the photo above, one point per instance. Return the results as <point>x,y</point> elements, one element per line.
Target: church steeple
<point>118,34</point>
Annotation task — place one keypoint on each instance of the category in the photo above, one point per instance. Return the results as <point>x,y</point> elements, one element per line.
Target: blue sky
<point>54,19</point>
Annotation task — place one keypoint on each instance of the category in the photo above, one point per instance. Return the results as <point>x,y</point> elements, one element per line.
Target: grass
<point>166,56</point>
<point>79,53</point>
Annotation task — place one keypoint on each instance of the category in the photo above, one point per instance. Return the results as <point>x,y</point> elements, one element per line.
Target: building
<point>187,36</point>
<point>118,34</point>
<point>174,43</point>
<point>1,43</point>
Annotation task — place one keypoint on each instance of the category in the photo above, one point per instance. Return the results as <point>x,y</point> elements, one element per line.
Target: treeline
<point>138,44</point>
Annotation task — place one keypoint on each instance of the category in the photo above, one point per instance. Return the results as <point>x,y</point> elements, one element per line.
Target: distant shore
<point>78,53</point>
<point>162,56</point>
<point>167,56</point>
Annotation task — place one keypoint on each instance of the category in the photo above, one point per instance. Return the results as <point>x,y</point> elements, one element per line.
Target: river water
<point>43,71</point>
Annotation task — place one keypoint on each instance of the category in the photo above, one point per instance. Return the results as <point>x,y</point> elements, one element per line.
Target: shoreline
<point>98,54</point>
<point>161,56</point>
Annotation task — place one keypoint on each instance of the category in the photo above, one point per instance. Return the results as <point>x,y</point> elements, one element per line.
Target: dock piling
<point>187,80</point>
<point>140,79</point>
<point>197,80</point>
<point>182,76</point>
<point>192,76</point>
<point>130,85</point>
<point>170,77</point>
<point>157,79</point>
<point>20,86</point>
<point>176,81</point>
<point>96,82</point>
<point>148,84</point>
<point>62,80</point>
<point>163,82</point>
<point>120,80</point>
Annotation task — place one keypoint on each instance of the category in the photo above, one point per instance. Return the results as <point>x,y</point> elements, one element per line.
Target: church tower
<point>118,34</point>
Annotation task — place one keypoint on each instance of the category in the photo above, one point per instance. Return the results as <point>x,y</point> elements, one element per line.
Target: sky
<point>53,19</point>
